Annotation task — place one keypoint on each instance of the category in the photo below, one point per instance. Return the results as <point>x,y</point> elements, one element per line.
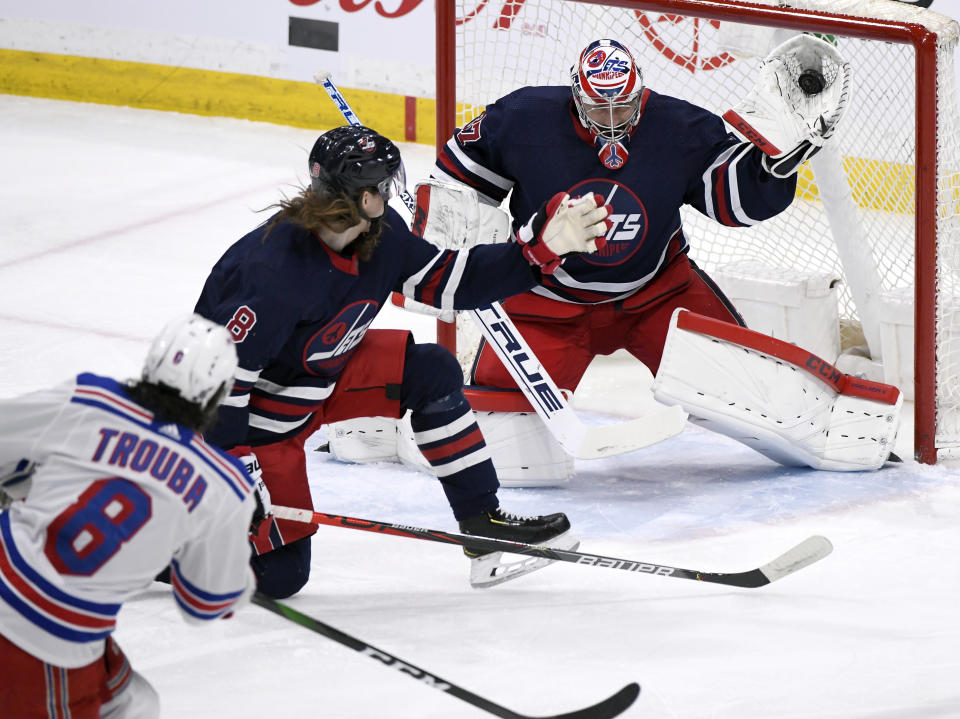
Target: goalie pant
<point>300,314</point>
<point>567,336</point>
<point>180,502</point>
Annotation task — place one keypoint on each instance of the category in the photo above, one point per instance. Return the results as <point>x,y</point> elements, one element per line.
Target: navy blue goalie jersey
<point>531,144</point>
<point>297,311</point>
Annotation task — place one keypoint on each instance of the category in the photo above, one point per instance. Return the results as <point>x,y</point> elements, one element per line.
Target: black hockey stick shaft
<point>608,708</point>
<point>807,552</point>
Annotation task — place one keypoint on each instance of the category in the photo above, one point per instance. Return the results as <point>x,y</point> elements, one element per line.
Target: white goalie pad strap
<point>524,453</point>
<point>802,92</point>
<point>363,439</point>
<point>775,397</point>
<point>451,216</point>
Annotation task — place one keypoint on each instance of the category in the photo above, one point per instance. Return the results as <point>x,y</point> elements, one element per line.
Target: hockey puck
<point>811,82</point>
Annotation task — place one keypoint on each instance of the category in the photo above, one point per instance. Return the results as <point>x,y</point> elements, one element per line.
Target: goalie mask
<point>607,89</point>
<point>353,158</point>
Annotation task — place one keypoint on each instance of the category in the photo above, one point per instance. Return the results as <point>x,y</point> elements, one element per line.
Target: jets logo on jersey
<point>629,218</point>
<point>471,131</point>
<point>328,350</point>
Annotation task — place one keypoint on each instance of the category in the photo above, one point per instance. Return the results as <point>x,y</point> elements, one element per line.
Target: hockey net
<point>898,255</point>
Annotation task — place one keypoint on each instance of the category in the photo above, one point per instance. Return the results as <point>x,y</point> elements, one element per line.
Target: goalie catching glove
<point>801,94</point>
<point>563,225</point>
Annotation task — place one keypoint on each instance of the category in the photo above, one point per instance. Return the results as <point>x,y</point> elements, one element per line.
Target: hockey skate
<point>488,569</point>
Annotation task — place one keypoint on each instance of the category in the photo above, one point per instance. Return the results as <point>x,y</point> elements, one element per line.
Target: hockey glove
<point>561,226</point>
<point>261,494</point>
<point>802,93</point>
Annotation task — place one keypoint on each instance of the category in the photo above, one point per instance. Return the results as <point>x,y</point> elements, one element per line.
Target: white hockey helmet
<point>607,89</point>
<point>194,356</point>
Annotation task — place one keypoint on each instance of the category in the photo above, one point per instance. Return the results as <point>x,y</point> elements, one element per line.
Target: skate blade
<point>490,569</point>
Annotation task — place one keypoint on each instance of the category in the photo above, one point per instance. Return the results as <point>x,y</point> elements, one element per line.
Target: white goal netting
<point>505,44</point>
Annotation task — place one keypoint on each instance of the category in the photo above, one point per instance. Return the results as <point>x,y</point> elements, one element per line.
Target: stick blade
<point>611,439</point>
<point>810,550</point>
<point>607,709</point>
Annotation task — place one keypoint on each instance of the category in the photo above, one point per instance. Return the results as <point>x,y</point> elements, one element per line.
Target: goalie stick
<point>577,439</point>
<point>610,707</point>
<point>810,550</point>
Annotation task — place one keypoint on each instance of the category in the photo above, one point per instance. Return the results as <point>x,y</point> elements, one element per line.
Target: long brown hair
<point>333,211</point>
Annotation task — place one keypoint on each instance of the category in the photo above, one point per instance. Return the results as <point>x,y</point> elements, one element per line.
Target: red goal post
<point>898,148</point>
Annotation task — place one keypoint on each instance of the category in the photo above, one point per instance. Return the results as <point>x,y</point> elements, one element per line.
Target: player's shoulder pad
<point>534,99</point>
<point>681,120</point>
<point>95,381</point>
<point>530,115</point>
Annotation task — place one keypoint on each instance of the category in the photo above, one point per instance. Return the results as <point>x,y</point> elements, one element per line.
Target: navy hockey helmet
<point>352,158</point>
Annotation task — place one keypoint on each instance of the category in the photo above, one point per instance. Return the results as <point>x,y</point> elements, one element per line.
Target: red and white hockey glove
<point>561,226</point>
<point>264,508</point>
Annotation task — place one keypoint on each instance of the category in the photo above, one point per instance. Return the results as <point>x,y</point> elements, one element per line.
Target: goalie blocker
<point>782,401</point>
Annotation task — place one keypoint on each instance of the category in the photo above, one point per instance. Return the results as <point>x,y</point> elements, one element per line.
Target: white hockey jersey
<point>114,498</point>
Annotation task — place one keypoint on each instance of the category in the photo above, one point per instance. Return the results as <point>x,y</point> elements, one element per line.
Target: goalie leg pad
<point>363,439</point>
<point>776,398</point>
<point>523,451</point>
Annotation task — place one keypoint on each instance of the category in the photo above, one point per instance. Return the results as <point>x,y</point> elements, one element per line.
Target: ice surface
<point>111,219</point>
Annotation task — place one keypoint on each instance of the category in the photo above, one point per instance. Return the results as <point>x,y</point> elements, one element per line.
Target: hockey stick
<point>802,555</point>
<point>577,438</point>
<point>608,708</point>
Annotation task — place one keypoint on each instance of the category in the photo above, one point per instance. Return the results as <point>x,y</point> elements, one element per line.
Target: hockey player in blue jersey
<point>298,295</point>
<point>108,484</point>
<point>647,154</point>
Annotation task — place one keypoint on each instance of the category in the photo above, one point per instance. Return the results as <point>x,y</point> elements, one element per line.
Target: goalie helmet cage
<point>898,148</point>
